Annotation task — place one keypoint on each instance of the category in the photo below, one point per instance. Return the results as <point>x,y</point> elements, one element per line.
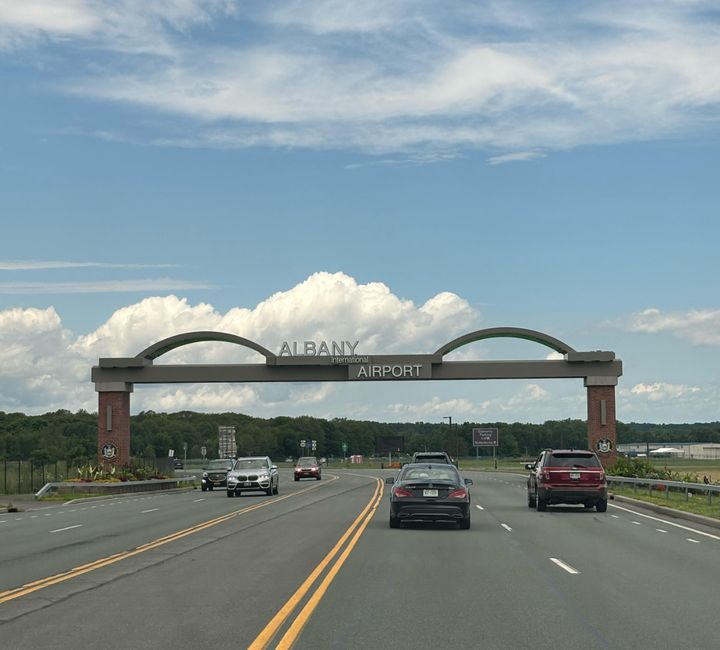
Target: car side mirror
<point>468,481</point>
<point>390,479</point>
<point>273,467</point>
<point>529,465</point>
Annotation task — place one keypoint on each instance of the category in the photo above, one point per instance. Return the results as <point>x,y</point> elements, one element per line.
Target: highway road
<point>318,567</point>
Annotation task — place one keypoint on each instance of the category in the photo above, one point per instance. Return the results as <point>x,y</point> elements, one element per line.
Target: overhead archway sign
<point>320,361</point>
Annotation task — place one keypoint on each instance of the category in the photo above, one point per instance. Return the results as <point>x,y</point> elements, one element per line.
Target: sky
<point>394,173</point>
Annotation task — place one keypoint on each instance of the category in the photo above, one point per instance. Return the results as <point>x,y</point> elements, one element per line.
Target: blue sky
<point>393,173</point>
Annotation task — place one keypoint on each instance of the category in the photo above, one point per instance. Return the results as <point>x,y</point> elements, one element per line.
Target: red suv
<point>567,476</point>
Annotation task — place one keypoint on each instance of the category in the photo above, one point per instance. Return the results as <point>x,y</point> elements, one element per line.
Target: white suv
<point>253,474</point>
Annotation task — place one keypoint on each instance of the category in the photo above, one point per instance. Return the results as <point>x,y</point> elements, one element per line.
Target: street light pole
<point>457,441</point>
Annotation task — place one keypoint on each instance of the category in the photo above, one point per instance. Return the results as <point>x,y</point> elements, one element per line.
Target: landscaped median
<point>95,488</point>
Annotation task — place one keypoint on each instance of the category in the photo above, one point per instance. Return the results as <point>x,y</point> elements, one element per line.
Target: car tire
<point>230,493</point>
<point>588,506</point>
<point>276,488</point>
<point>531,500</point>
<point>465,523</point>
<point>318,478</point>
<point>540,504</point>
<point>296,478</point>
<point>394,523</point>
<point>601,506</point>
<point>203,488</point>
<point>269,491</point>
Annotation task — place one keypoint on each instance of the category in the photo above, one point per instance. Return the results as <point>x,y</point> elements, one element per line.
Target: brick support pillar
<point>114,425</point>
<point>601,423</point>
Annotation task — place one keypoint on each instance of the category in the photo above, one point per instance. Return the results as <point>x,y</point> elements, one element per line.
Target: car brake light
<point>458,494</point>
<point>401,492</point>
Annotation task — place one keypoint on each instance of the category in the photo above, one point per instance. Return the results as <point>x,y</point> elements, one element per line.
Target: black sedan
<point>429,492</point>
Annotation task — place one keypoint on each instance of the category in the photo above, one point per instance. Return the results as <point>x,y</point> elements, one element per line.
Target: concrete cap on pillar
<point>601,381</point>
<point>113,387</point>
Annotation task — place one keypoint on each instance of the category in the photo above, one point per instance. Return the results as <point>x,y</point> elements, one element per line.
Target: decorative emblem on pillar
<point>109,451</point>
<point>604,445</point>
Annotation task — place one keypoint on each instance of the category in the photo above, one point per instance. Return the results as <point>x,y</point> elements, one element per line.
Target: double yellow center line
<point>24,590</point>
<point>291,635</point>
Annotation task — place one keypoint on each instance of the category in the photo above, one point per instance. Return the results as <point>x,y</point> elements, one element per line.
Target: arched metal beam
<point>506,332</point>
<point>173,342</point>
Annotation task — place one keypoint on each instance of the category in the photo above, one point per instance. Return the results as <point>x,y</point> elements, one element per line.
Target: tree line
<point>63,435</point>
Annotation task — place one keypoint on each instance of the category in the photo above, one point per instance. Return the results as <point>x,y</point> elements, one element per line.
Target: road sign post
<point>486,438</point>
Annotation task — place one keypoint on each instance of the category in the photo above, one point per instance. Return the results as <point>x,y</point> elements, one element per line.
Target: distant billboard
<point>485,437</point>
<point>386,444</point>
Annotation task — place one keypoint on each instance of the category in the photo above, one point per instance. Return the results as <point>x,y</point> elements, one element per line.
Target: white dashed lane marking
<point>60,530</point>
<point>506,527</point>
<point>565,566</point>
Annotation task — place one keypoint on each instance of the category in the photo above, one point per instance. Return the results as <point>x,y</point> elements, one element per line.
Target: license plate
<point>574,474</point>
<point>246,484</point>
<point>430,493</point>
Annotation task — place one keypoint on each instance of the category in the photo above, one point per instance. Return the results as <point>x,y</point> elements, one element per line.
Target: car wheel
<point>465,523</point>
<point>296,478</point>
<point>269,491</point>
<point>230,493</point>
<point>276,488</point>
<point>203,488</point>
<point>540,504</point>
<point>394,523</point>
<point>601,506</point>
<point>531,500</point>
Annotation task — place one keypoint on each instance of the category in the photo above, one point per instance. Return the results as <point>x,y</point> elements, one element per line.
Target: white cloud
<point>401,77</point>
<point>496,408</point>
<point>33,265</point>
<point>125,26</point>
<point>661,391</point>
<point>44,367</point>
<point>39,370</point>
<point>105,286</point>
<point>699,326</point>
<point>519,156</point>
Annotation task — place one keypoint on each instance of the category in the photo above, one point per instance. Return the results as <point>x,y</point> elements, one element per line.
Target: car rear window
<point>430,474</point>
<point>572,460</point>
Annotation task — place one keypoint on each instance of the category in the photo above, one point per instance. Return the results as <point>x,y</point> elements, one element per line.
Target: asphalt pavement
<point>318,567</point>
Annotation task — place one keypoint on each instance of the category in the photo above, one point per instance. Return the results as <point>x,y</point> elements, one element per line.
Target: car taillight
<point>458,494</point>
<point>601,477</point>
<point>401,492</point>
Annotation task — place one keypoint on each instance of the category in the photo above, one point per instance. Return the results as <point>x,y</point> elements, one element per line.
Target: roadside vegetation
<point>63,435</point>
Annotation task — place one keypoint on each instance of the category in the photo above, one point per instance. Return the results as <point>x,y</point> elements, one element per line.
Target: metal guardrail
<point>666,486</point>
<point>115,487</point>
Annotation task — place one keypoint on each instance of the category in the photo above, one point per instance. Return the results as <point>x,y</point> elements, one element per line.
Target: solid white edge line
<point>60,530</point>
<point>665,521</point>
<point>564,566</point>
